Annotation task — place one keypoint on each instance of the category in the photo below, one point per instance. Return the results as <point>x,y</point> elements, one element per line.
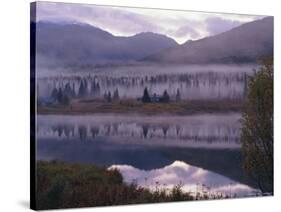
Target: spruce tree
<point>146,97</point>
<point>60,95</point>
<point>178,96</point>
<point>165,97</point>
<point>109,96</point>
<point>116,95</point>
<point>81,91</point>
<point>54,94</point>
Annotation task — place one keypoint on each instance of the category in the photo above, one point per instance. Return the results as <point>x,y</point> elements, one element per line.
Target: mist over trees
<point>116,95</point>
<point>82,88</point>
<point>95,89</point>
<point>178,96</point>
<point>165,97</point>
<point>180,86</point>
<point>107,96</point>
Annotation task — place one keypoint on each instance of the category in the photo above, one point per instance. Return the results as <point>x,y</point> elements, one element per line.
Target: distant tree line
<point>90,86</point>
<point>109,98</point>
<point>64,94</point>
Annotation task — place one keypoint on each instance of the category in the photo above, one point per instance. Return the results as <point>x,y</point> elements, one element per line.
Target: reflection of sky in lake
<point>192,179</point>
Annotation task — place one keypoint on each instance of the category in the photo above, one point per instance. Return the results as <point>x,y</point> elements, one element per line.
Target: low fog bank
<point>191,81</point>
<point>140,68</point>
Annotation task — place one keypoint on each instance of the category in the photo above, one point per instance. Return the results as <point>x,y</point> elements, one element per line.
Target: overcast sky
<point>122,21</point>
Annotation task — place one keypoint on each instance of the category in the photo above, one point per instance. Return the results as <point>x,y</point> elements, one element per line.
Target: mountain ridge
<point>74,44</point>
<point>242,44</point>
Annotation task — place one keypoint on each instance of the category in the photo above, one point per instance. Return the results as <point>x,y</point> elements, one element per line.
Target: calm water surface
<point>200,152</point>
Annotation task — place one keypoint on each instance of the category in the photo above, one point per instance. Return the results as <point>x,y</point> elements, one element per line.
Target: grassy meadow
<point>91,106</point>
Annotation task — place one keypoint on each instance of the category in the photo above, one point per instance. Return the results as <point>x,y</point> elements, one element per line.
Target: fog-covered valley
<point>191,82</point>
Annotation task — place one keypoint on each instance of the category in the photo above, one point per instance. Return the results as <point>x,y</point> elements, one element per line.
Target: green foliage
<point>64,185</point>
<point>177,194</point>
<point>257,127</point>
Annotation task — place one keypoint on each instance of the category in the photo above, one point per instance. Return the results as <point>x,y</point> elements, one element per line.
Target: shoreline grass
<point>88,106</point>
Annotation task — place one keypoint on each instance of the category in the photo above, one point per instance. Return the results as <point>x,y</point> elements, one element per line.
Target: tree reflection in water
<point>209,132</point>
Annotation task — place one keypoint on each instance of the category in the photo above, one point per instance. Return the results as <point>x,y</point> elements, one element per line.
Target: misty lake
<point>200,152</point>
<point>131,108</point>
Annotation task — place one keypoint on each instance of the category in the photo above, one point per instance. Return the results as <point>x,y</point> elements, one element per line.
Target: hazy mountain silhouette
<point>70,44</point>
<point>243,44</point>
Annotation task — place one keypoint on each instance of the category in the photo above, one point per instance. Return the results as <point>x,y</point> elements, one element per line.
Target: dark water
<point>193,150</point>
